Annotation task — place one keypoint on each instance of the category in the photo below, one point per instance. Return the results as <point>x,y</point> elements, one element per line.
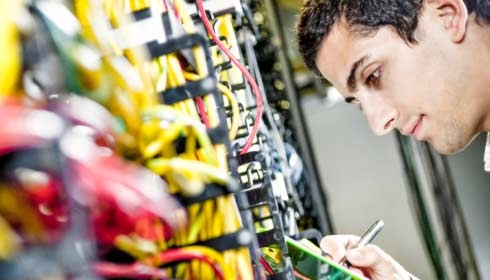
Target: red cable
<point>173,255</point>
<point>297,274</point>
<point>200,103</point>
<point>202,112</point>
<point>266,266</point>
<point>140,269</point>
<point>166,6</point>
<point>136,270</point>
<point>246,74</point>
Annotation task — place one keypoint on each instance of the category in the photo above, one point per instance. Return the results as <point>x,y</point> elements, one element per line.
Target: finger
<point>375,262</point>
<point>357,271</point>
<point>335,245</point>
<point>368,256</point>
<point>328,256</point>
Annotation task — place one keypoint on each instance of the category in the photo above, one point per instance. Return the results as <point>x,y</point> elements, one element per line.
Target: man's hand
<point>370,261</point>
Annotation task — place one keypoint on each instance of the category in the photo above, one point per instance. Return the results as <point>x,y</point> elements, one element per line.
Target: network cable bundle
<point>138,142</point>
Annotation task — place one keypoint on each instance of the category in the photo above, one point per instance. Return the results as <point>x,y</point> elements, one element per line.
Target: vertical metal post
<point>300,128</point>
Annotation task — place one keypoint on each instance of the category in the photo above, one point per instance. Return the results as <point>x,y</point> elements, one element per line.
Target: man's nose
<point>381,115</point>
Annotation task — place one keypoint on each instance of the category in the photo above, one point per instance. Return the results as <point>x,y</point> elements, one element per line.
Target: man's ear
<point>453,15</point>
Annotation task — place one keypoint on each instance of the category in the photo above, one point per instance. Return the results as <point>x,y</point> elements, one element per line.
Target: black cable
<point>319,197</point>
<point>275,137</point>
<point>451,215</point>
<point>418,204</point>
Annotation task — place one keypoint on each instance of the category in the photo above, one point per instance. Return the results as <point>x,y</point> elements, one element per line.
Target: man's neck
<point>481,57</point>
<point>479,38</point>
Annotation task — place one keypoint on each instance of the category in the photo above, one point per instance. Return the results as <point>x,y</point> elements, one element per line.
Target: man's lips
<point>417,125</point>
<point>411,128</point>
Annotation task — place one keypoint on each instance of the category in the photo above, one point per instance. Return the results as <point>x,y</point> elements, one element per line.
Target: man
<point>419,66</point>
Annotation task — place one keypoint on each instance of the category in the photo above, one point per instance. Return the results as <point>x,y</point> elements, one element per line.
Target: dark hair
<point>365,17</point>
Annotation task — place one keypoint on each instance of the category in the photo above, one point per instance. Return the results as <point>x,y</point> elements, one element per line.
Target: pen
<point>366,238</point>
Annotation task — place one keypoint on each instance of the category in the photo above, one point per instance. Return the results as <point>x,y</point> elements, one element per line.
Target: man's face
<point>418,89</point>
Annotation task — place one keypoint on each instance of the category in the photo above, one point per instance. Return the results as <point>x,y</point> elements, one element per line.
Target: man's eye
<point>354,101</point>
<point>373,79</point>
<point>351,100</point>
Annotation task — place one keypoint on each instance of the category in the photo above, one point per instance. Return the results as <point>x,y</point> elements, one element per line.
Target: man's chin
<point>451,148</point>
<point>448,150</point>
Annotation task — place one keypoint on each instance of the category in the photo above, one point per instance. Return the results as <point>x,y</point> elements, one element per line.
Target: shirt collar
<point>486,155</point>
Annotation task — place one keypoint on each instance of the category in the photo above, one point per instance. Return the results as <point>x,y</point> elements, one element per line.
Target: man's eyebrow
<point>352,79</point>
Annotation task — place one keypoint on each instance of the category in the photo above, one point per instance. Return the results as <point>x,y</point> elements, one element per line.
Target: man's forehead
<point>344,46</point>
<point>335,54</point>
